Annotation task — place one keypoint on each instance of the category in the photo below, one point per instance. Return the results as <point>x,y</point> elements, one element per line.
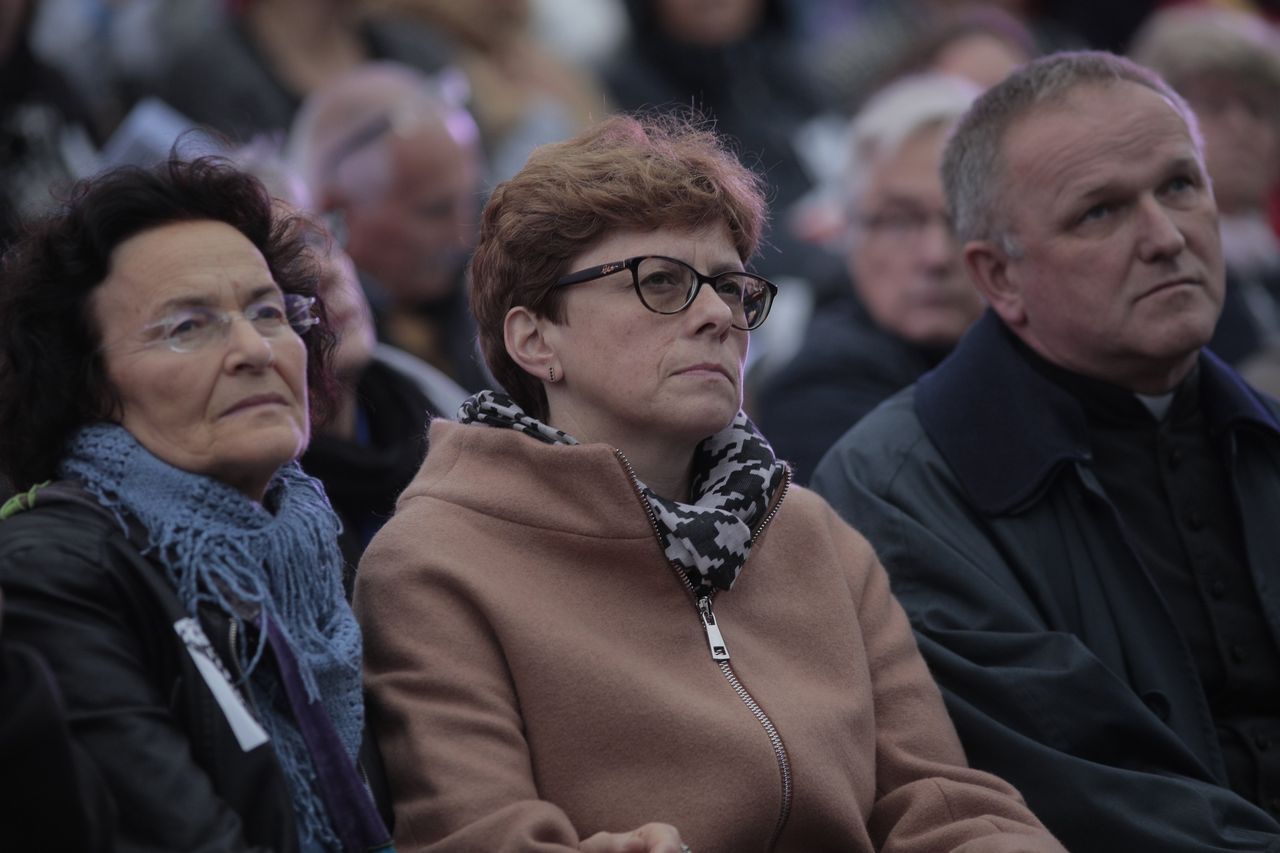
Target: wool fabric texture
<point>735,479</point>
<point>279,565</point>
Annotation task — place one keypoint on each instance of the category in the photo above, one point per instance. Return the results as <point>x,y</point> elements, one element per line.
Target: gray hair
<point>340,139</point>
<point>263,158</point>
<point>972,165</point>
<point>891,117</point>
<point>1183,43</point>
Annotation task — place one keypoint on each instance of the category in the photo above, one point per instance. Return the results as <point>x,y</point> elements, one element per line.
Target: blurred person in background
<point>1226,63</point>
<point>48,134</point>
<point>911,300</point>
<point>739,62</point>
<point>400,168</point>
<point>244,67</point>
<point>521,94</point>
<point>373,441</point>
<point>161,355</point>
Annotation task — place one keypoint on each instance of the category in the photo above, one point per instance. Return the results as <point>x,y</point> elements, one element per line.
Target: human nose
<point>710,310</point>
<point>247,348</point>
<point>1160,237</point>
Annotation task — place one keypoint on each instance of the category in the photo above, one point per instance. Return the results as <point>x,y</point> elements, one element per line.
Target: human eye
<point>187,327</point>
<point>731,285</point>
<point>662,275</point>
<point>1097,213</point>
<point>267,316</point>
<point>1179,185</point>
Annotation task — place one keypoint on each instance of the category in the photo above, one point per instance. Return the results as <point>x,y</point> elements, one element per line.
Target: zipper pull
<point>718,649</point>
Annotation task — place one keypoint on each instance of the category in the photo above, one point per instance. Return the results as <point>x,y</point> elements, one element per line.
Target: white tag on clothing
<point>249,733</point>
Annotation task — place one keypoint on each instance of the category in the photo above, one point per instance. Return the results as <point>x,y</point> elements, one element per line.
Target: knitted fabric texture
<point>735,478</point>
<point>279,565</point>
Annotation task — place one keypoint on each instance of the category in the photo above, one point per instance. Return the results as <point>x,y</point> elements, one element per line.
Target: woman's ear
<point>527,342</point>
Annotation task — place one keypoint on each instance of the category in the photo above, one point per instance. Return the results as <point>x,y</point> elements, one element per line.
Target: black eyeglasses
<point>668,286</point>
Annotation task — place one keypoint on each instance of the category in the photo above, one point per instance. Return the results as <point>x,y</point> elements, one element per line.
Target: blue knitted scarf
<point>279,565</point>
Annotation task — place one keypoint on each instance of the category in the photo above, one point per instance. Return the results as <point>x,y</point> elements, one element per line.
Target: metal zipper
<point>716,644</point>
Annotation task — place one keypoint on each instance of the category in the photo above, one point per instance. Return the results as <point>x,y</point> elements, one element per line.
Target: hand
<point>650,838</point>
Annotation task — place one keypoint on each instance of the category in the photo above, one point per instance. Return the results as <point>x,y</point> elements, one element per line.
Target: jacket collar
<point>1006,429</point>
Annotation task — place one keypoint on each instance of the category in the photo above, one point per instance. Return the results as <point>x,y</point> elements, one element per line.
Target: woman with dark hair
<point>161,355</point>
<point>546,661</point>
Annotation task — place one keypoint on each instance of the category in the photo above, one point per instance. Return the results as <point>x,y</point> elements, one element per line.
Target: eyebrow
<point>1124,183</point>
<point>206,301</point>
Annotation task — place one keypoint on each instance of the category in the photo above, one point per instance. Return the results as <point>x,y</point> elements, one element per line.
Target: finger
<point>614,842</point>
<point>661,838</point>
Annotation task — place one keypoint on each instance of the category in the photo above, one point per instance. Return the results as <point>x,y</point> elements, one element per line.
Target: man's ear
<point>988,264</point>
<point>527,342</point>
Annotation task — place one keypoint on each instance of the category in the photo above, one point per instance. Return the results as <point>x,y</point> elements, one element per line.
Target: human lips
<point>1170,283</point>
<point>255,401</point>
<point>705,367</point>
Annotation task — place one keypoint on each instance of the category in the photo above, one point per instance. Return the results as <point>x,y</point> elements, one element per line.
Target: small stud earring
<point>551,371</point>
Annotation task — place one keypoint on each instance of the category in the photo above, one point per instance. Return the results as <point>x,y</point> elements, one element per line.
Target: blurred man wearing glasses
<point>911,301</point>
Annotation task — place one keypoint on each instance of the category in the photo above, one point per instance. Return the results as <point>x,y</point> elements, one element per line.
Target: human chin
<point>247,460</point>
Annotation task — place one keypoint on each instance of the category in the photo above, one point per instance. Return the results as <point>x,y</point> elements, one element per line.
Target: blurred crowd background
<point>399,116</point>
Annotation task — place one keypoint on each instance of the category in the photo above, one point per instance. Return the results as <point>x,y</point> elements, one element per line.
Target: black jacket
<point>846,367</point>
<point>1061,663</point>
<point>102,616</point>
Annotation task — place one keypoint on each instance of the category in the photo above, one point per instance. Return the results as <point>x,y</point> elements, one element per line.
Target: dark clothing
<point>363,477</point>
<point>1169,485</point>
<point>758,92</point>
<point>846,367</point>
<point>1061,657</point>
<point>219,76</point>
<point>103,617</point>
<point>47,135</point>
<point>441,333</point>
<point>1239,333</point>
<point>51,798</point>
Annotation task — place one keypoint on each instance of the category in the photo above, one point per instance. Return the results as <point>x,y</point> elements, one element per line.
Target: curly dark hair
<point>52,376</point>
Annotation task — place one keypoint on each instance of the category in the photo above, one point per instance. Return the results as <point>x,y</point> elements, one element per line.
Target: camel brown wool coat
<point>538,673</point>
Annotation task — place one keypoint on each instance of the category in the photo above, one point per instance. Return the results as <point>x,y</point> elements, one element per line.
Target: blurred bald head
<point>402,164</point>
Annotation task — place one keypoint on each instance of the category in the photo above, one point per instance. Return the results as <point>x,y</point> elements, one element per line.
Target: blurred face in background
<point>709,22</point>
<point>415,236</point>
<point>904,261</point>
<point>1240,121</point>
<point>350,317</point>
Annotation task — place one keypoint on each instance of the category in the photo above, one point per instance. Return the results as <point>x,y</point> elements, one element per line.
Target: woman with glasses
<point>602,619</point>
<point>162,354</point>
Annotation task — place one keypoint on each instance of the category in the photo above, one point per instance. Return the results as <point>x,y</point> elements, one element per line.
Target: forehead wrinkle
<point>1094,156</point>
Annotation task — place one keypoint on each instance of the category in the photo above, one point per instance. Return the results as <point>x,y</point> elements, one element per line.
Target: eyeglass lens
<point>667,286</point>
<point>198,326</point>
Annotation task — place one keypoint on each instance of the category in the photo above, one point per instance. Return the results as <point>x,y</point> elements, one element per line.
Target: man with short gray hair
<point>1078,508</point>
<point>910,301</point>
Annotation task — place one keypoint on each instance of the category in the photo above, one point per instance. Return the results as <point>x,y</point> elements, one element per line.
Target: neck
<point>665,469</point>
<point>667,474</point>
<point>1141,376</point>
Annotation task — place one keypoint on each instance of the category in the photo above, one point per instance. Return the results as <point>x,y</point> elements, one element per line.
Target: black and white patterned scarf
<point>735,478</point>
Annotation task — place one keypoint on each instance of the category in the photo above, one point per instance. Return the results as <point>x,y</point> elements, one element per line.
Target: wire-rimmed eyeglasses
<point>669,286</point>
<point>194,327</point>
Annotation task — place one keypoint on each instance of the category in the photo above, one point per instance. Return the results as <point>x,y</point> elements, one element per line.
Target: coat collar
<point>1006,429</point>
